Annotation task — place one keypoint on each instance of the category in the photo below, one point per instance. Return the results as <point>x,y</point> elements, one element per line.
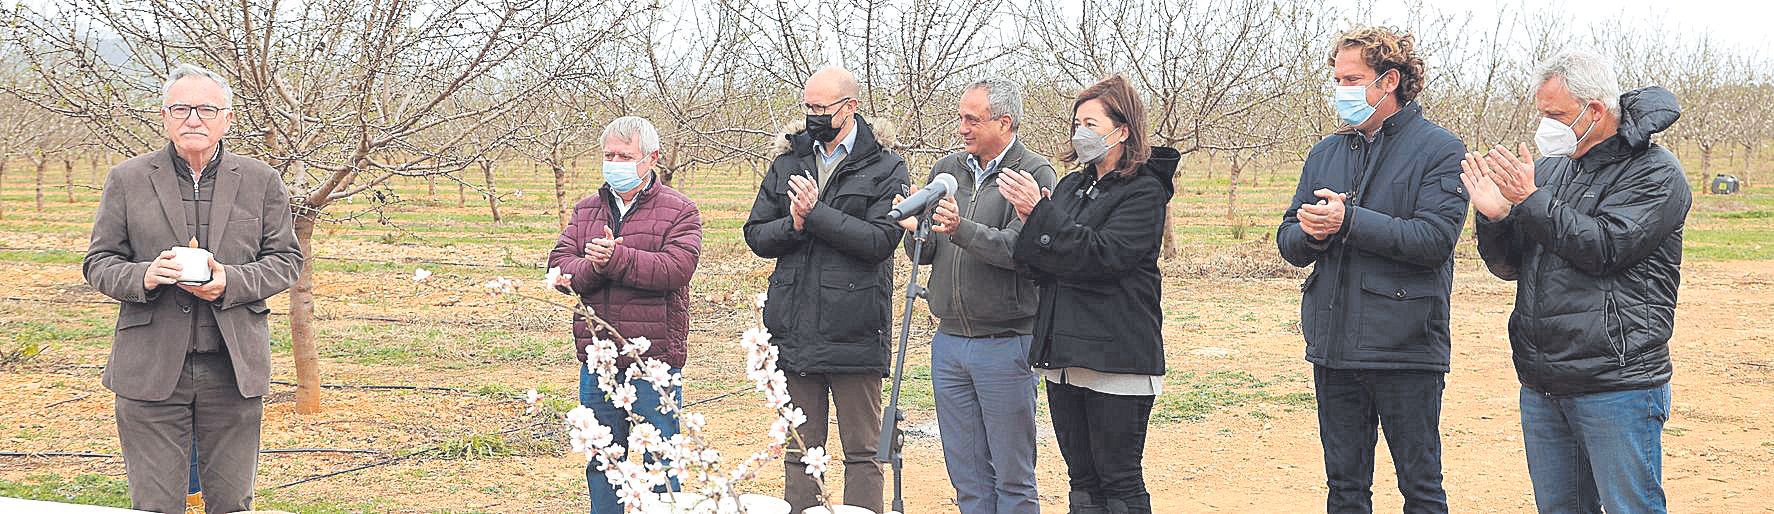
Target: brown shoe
<point>194,503</point>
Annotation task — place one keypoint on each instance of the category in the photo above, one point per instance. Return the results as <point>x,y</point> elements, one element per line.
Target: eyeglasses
<point>184,111</point>
<point>816,109</point>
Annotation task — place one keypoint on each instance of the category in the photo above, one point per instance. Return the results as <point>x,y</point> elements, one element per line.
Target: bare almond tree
<point>1216,73</point>
<point>554,138</point>
<point>710,103</point>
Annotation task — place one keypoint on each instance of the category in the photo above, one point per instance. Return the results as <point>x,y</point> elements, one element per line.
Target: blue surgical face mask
<point>622,176</point>
<point>1351,104</point>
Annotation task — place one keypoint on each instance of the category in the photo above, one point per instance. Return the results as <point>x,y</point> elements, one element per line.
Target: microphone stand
<point>888,447</point>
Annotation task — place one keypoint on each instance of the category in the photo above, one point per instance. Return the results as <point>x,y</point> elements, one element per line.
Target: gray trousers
<point>985,408</point>
<point>858,401</point>
<point>156,438</point>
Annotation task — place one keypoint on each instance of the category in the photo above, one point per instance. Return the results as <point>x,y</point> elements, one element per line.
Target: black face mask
<point>819,126</point>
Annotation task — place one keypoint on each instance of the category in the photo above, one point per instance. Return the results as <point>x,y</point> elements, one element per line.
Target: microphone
<point>924,198</point>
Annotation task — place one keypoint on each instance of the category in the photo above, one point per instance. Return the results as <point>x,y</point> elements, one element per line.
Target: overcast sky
<point>1736,23</point>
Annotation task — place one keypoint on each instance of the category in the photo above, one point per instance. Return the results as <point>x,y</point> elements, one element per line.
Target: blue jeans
<point>1354,406</point>
<point>603,496</point>
<point>1596,451</point>
<point>985,411</point>
<point>196,486</point>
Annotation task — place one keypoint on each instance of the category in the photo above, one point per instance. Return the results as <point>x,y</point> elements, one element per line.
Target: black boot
<point>1141,504</point>
<point>1083,503</point>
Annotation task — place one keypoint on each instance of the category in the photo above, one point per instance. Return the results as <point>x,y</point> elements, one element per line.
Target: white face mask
<point>1557,140</point>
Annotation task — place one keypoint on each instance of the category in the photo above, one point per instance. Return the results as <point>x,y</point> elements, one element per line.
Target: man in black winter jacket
<point>1377,212</point>
<point>1592,235</point>
<point>821,213</point>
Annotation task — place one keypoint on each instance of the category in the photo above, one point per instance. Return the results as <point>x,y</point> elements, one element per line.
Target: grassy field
<point>1234,430</point>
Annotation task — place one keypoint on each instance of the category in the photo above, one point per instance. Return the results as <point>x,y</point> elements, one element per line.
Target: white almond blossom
<point>685,456</point>
<point>692,423</point>
<point>637,346</point>
<point>794,416</point>
<point>646,437</point>
<point>501,285</point>
<point>816,461</point>
<point>555,278</point>
<point>624,396</point>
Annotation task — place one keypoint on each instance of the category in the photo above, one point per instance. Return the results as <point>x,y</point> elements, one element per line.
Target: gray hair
<point>634,129</point>
<point>191,70</point>
<point>1587,76</point>
<point>1003,98</point>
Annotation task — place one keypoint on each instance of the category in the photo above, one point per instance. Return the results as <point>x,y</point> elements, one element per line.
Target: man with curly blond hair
<point>1377,212</point>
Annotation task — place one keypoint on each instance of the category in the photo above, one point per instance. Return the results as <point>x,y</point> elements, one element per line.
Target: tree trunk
<point>68,176</point>
<point>1232,220</point>
<point>1167,243</point>
<point>1705,164</point>
<point>42,164</point>
<point>2,185</point>
<point>666,168</point>
<point>1748,152</point>
<point>486,169</point>
<point>307,357</point>
<point>461,193</point>
<point>573,173</point>
<point>93,160</point>
<point>431,189</point>
<point>560,194</point>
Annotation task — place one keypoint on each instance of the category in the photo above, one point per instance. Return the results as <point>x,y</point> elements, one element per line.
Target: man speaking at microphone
<point>979,359</point>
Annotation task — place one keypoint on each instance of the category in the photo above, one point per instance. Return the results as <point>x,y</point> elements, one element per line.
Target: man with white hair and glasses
<point>1591,232</point>
<point>191,356</point>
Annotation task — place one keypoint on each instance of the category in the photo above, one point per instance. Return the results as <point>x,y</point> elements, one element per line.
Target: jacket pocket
<point>849,307</point>
<point>989,293</point>
<point>1309,318</point>
<point>1615,326</point>
<point>852,198</point>
<point>1396,312</point>
<point>131,316</point>
<point>779,302</point>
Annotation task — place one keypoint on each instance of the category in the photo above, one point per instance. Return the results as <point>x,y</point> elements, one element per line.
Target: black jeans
<point>1102,437</point>
<point>1352,405</point>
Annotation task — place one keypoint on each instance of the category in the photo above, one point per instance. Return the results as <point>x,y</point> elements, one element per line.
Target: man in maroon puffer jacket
<point>631,249</point>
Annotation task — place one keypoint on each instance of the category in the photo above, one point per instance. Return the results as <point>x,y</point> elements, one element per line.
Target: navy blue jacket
<point>1377,297</point>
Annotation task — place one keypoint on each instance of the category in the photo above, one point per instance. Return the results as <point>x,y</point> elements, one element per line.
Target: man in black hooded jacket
<point>1592,235</point>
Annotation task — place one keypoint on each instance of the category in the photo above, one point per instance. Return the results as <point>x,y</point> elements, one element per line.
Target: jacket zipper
<point>604,306</point>
<point>1612,310</point>
<point>807,263</point>
<point>615,213</point>
<point>1335,352</point>
<point>960,304</point>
